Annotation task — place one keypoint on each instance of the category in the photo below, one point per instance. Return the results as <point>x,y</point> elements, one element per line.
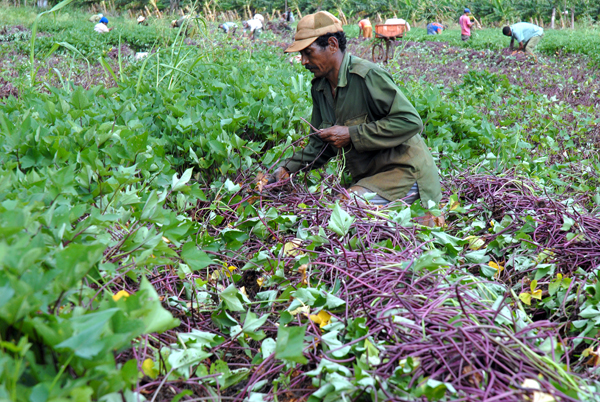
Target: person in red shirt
<point>434,28</point>
<point>465,25</point>
<point>366,28</point>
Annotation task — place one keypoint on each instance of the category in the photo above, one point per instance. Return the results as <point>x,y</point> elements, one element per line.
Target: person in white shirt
<point>254,26</point>
<point>102,26</point>
<point>288,16</point>
<point>392,21</point>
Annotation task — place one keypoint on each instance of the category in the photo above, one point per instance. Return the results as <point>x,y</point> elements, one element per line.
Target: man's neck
<point>333,75</point>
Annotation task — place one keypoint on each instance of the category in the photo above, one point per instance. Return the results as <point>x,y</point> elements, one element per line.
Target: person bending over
<point>527,36</point>
<point>360,112</point>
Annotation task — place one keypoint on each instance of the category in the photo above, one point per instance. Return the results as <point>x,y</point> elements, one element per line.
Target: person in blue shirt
<point>527,36</point>
<point>434,28</point>
<point>228,26</point>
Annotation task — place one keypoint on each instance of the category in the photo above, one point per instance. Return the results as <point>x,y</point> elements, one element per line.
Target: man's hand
<point>338,136</point>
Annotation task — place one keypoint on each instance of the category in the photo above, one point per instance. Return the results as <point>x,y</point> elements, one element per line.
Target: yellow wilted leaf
<point>304,310</point>
<point>525,297</point>
<point>322,318</point>
<point>475,243</point>
<point>542,397</point>
<point>537,294</point>
<point>594,360</point>
<point>538,396</point>
<point>229,269</point>
<point>289,248</point>
<point>261,181</point>
<point>474,375</point>
<point>544,255</point>
<point>148,369</point>
<point>260,281</point>
<point>531,383</point>
<point>533,285</point>
<point>302,269</point>
<point>499,268</point>
<point>166,240</point>
<point>454,205</point>
<point>120,294</point>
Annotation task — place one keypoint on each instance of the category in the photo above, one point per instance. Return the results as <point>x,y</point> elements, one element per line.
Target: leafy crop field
<point>140,261</point>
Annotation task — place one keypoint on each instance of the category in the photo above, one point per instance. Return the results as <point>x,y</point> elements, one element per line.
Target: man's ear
<point>333,44</point>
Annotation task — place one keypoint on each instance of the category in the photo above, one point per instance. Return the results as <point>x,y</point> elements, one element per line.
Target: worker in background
<point>366,28</point>
<point>395,20</point>
<point>253,26</point>
<point>465,25</point>
<point>288,16</point>
<point>96,18</point>
<point>191,27</point>
<point>527,36</point>
<point>284,22</point>
<point>360,113</point>
<point>179,23</point>
<point>102,26</point>
<point>228,27</point>
<point>435,28</point>
<point>260,18</point>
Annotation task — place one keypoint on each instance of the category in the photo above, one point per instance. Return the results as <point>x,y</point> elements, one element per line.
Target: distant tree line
<point>546,12</point>
<point>490,11</point>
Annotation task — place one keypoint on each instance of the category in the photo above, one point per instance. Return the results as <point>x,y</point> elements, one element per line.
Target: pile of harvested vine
<point>321,299</point>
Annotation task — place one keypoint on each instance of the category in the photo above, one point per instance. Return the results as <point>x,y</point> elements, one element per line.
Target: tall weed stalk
<point>54,9</point>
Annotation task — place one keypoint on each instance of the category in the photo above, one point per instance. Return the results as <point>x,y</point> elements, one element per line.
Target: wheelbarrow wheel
<point>378,53</point>
<point>390,49</point>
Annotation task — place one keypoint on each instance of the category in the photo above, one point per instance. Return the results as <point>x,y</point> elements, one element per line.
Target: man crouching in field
<point>527,36</point>
<point>361,112</point>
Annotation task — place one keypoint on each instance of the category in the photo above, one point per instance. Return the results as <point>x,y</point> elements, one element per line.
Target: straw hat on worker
<point>311,27</point>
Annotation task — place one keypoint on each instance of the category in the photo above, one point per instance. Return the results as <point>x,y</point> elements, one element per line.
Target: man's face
<point>317,60</point>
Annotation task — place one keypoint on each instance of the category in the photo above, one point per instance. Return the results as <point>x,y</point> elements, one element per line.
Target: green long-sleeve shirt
<point>387,154</point>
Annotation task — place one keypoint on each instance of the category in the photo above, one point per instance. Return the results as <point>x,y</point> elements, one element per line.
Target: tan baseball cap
<point>311,27</point>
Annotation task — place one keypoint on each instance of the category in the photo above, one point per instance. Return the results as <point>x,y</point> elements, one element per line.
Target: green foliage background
<point>486,10</point>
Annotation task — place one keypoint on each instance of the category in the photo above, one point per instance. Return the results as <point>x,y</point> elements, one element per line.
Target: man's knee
<point>358,193</point>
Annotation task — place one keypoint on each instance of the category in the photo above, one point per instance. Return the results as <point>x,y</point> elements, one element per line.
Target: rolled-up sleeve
<point>398,122</point>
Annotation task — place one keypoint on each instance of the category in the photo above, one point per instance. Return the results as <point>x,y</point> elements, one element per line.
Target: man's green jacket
<point>387,154</point>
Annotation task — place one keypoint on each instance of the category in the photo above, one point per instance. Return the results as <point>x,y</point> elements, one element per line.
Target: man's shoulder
<point>361,67</point>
